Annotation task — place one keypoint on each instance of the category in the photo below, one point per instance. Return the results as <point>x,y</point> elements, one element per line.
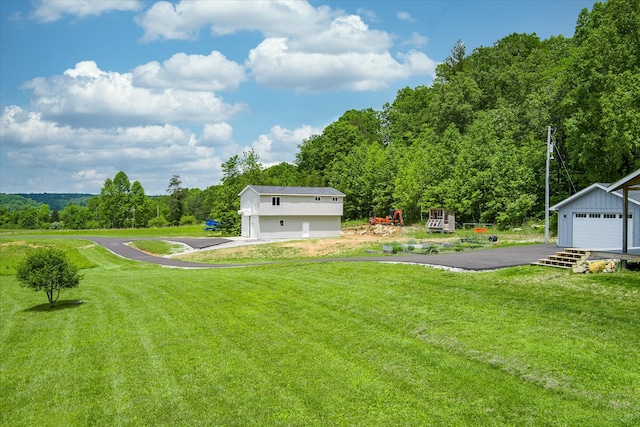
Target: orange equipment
<point>394,218</point>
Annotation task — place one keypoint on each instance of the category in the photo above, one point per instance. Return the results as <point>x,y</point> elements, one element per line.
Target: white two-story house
<point>272,212</point>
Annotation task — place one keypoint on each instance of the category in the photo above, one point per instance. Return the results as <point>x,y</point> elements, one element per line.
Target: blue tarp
<point>212,225</point>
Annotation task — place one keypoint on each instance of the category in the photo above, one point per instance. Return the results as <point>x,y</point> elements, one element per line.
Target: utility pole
<point>546,190</point>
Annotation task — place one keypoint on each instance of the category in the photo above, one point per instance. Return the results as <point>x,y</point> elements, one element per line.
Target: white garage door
<point>599,231</point>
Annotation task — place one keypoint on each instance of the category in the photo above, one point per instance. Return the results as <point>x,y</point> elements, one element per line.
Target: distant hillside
<point>14,202</point>
<point>58,201</point>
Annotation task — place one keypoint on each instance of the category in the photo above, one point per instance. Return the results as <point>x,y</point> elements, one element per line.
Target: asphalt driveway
<point>477,259</point>
<point>485,259</point>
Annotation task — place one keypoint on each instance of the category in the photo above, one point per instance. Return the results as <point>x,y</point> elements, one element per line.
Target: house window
<point>581,215</point>
<point>609,216</point>
<point>317,198</point>
<point>335,199</point>
<point>594,215</point>
<point>282,223</point>
<point>275,201</point>
<point>630,216</point>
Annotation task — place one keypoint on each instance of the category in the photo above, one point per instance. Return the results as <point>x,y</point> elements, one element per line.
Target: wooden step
<point>544,263</point>
<point>575,251</point>
<point>565,259</point>
<point>552,263</point>
<point>570,255</point>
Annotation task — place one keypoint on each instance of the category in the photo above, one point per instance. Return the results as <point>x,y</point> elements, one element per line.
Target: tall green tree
<point>121,204</point>
<point>115,203</point>
<point>456,102</point>
<point>601,103</point>
<point>195,204</point>
<point>141,205</point>
<point>238,172</point>
<point>318,153</point>
<point>285,174</point>
<point>175,200</point>
<point>28,218</point>
<point>454,63</point>
<point>423,178</point>
<point>404,119</point>
<point>75,217</point>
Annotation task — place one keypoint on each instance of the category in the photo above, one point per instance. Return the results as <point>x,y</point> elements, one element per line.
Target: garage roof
<point>634,196</point>
<point>632,181</point>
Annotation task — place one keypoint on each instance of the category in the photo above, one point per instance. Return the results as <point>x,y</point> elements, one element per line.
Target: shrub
<point>188,220</point>
<point>431,249</point>
<point>158,222</point>
<point>49,270</point>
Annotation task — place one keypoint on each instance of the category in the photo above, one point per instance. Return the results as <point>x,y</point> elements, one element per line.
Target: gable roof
<point>632,181</point>
<point>274,190</point>
<point>634,196</point>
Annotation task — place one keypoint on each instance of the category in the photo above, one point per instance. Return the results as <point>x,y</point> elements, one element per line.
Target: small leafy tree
<point>48,269</point>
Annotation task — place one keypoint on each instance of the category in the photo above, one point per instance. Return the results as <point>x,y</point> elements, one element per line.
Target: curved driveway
<point>118,246</point>
<point>481,259</point>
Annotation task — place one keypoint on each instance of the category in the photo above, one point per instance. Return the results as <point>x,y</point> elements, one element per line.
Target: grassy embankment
<point>318,344</point>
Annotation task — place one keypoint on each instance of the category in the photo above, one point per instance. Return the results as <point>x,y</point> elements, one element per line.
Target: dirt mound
<point>378,230</point>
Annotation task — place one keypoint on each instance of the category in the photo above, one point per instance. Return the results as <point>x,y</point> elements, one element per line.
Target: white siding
<point>293,227</point>
<point>249,202</point>
<point>295,216</point>
<point>301,205</point>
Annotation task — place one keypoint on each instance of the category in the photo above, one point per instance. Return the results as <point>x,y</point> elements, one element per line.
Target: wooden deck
<point>631,255</point>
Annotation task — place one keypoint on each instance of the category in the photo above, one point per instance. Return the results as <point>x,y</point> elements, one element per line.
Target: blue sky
<point>156,88</point>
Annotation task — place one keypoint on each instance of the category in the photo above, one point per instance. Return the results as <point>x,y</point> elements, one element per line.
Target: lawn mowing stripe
<point>325,344</point>
<point>140,318</point>
<point>498,357</point>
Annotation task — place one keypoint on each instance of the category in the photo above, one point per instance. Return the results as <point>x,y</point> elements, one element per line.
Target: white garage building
<point>274,212</point>
<point>592,219</point>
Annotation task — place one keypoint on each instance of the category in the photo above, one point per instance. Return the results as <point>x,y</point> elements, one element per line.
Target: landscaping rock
<point>581,268</point>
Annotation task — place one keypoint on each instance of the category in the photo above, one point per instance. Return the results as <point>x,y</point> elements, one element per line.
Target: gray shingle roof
<point>298,191</point>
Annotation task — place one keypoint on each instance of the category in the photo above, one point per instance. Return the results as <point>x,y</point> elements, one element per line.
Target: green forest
<point>474,141</point>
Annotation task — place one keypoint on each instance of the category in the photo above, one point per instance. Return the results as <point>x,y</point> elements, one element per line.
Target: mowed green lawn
<point>319,344</point>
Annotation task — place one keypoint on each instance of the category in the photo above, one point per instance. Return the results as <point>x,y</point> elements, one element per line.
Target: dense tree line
<point>57,201</point>
<point>473,142</point>
<point>16,202</point>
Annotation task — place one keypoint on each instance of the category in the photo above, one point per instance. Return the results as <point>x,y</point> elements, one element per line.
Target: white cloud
<point>217,133</point>
<point>345,34</point>
<point>281,144</point>
<point>184,20</point>
<point>416,40</point>
<point>92,97</point>
<point>86,124</point>
<point>45,156</point>
<point>405,16</point>
<point>273,65</point>
<point>306,49</point>
<point>54,10</point>
<point>369,14</point>
<point>191,72</point>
